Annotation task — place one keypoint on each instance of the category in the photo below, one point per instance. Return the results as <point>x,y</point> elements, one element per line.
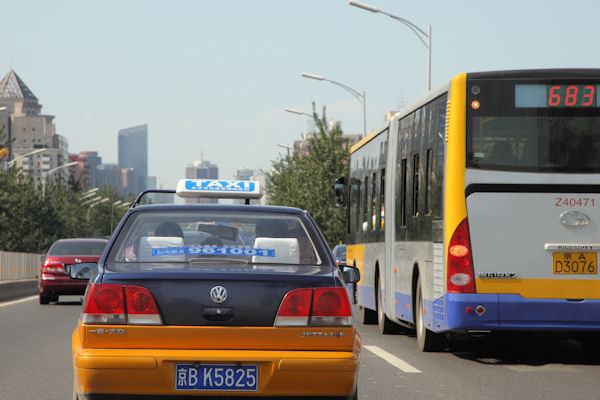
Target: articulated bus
<point>477,209</point>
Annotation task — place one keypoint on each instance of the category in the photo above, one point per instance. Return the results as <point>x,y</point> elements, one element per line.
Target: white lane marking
<point>9,303</point>
<point>392,359</point>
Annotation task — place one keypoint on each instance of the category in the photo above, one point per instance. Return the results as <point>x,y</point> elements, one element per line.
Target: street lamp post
<point>285,146</point>
<point>46,174</point>
<point>115,205</point>
<point>291,110</point>
<point>91,200</point>
<point>14,160</point>
<point>88,194</point>
<point>361,97</point>
<point>424,37</point>
<point>93,204</point>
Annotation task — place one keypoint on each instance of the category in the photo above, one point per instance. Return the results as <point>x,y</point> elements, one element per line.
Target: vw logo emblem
<point>218,294</point>
<point>574,219</point>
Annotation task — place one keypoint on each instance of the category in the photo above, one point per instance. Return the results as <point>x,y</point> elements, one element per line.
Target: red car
<point>53,280</point>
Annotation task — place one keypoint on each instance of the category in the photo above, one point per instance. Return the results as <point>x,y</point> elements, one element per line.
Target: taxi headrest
<point>286,250</point>
<point>147,243</point>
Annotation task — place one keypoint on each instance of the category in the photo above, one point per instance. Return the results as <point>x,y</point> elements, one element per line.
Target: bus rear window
<point>535,143</point>
<point>544,124</point>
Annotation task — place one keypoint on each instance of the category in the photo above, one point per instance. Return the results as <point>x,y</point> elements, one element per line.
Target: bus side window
<point>354,205</point>
<point>374,201</point>
<point>416,182</point>
<point>365,205</point>
<point>403,193</point>
<point>381,215</point>
<point>428,180</point>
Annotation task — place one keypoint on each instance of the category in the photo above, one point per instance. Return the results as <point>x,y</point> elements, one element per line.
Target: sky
<point>212,79</point>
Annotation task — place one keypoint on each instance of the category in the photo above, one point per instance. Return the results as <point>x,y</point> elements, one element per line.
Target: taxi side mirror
<point>350,273</point>
<point>83,271</point>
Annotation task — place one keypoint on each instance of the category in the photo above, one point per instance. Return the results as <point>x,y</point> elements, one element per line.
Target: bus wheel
<point>426,340</point>
<point>367,316</point>
<point>385,325</point>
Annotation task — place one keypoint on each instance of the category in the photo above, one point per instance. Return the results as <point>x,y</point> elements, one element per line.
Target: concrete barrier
<point>14,289</point>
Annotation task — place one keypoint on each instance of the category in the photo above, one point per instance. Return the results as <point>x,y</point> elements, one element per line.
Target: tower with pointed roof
<point>15,92</point>
<point>29,130</point>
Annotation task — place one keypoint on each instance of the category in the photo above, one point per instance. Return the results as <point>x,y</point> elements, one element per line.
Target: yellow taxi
<point>211,300</point>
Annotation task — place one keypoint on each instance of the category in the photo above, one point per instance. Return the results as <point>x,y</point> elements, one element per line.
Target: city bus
<point>477,209</point>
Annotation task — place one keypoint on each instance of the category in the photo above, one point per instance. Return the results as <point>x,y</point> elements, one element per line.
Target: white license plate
<point>216,377</point>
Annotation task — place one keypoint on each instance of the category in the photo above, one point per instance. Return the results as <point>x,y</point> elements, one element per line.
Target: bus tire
<point>367,316</point>
<point>426,340</point>
<point>385,324</point>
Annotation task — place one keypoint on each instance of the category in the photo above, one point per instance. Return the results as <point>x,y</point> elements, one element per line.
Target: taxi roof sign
<point>223,189</point>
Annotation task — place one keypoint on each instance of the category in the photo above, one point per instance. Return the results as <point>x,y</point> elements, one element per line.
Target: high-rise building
<point>133,153</point>
<point>27,130</point>
<point>108,175</point>
<point>92,161</point>
<point>201,170</point>
<point>129,182</point>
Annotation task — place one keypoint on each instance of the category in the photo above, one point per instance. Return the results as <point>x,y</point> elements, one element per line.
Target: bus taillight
<point>461,276</point>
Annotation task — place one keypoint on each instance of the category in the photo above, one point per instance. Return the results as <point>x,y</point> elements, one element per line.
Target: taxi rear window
<point>208,239</point>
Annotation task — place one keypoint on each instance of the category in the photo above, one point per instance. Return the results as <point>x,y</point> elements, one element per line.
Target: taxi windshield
<point>209,238</point>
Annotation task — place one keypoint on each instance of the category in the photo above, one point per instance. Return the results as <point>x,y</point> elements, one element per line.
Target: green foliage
<point>30,222</point>
<point>305,180</point>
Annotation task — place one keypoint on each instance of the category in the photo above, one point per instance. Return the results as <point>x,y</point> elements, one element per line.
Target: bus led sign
<point>557,96</point>
<point>572,96</point>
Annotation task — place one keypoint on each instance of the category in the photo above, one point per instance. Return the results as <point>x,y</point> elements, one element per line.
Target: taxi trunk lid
<point>190,319</point>
<point>249,297</point>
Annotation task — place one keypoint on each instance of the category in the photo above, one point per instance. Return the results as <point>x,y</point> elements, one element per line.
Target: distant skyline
<point>133,153</point>
<point>212,79</point>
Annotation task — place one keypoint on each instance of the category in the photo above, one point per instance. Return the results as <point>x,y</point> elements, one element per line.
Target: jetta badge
<point>218,294</point>
<point>574,219</point>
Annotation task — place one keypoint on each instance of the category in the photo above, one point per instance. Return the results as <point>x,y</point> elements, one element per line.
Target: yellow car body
<point>141,360</point>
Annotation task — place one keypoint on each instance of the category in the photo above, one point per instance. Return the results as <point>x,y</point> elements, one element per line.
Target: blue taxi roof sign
<point>223,189</point>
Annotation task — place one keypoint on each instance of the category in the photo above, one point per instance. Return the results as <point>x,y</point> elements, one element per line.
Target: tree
<point>305,180</point>
<point>30,222</point>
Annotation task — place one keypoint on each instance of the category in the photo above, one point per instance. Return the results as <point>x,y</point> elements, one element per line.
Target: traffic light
<point>3,152</point>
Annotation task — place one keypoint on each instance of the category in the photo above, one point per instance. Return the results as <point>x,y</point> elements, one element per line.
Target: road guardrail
<point>19,266</point>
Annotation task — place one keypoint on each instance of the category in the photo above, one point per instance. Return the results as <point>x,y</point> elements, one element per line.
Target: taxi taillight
<point>327,306</point>
<point>461,275</point>
<point>120,304</point>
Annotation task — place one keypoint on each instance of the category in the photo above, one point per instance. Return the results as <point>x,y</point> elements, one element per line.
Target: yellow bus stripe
<point>542,288</point>
<point>455,209</point>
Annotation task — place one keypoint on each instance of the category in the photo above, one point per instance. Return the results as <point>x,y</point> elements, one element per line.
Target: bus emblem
<point>574,219</point>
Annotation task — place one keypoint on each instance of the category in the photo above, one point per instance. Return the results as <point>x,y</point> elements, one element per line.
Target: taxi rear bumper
<point>141,373</point>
